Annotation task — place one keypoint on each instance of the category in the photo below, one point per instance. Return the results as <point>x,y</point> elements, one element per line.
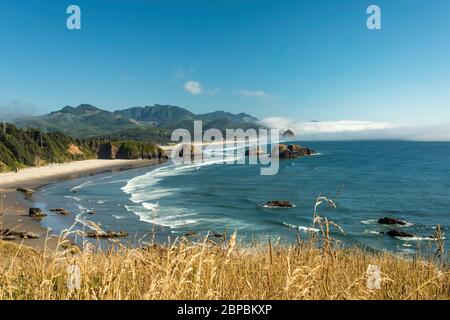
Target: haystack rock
<point>288,134</point>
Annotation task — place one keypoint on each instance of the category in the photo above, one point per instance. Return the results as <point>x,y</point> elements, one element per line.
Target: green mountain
<point>156,115</point>
<point>82,121</point>
<point>151,123</point>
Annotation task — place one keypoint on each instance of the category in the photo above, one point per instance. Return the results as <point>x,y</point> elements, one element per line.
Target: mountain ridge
<point>87,120</point>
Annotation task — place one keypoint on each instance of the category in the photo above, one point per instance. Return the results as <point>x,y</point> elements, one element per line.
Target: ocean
<point>367,180</point>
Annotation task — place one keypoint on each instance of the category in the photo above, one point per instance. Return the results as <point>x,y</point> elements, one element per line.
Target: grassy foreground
<point>209,271</point>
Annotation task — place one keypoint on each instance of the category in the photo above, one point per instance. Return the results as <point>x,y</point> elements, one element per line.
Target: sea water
<point>367,180</point>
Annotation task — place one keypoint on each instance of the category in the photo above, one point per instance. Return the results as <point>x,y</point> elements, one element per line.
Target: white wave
<point>81,208</point>
<point>170,217</point>
<point>301,228</point>
<point>417,238</point>
<point>375,221</point>
<point>371,232</point>
<point>92,182</point>
<point>370,221</point>
<point>73,198</point>
<point>275,207</point>
<point>119,217</point>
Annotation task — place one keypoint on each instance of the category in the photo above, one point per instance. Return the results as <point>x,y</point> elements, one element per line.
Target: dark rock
<point>25,190</point>
<point>61,211</point>
<point>391,221</point>
<point>288,133</point>
<point>277,204</point>
<point>396,233</point>
<point>107,151</point>
<point>91,212</point>
<point>8,238</point>
<point>218,235</point>
<point>191,234</point>
<point>36,212</point>
<point>107,235</point>
<point>293,151</point>
<point>162,155</point>
<point>7,234</point>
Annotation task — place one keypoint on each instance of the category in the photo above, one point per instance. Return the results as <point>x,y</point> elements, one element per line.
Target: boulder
<point>36,212</point>
<point>191,234</point>
<point>293,151</point>
<point>61,211</point>
<point>7,234</point>
<point>8,238</point>
<point>391,221</point>
<point>107,234</point>
<point>25,190</point>
<point>299,151</point>
<point>396,233</point>
<point>277,204</point>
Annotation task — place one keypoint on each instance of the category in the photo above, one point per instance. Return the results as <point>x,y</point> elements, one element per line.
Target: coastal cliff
<point>21,148</point>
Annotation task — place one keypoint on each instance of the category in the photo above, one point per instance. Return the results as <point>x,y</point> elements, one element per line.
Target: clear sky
<point>306,60</point>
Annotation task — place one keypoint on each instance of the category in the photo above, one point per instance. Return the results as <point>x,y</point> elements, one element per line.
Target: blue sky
<point>305,60</point>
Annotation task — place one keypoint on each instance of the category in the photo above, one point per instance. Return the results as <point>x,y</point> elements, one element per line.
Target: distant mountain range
<point>149,123</point>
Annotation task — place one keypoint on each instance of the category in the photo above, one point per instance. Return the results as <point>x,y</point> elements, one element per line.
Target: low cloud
<point>195,88</point>
<point>13,109</point>
<point>358,130</point>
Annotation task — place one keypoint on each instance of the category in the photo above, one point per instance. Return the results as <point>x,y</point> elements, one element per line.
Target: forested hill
<point>28,147</point>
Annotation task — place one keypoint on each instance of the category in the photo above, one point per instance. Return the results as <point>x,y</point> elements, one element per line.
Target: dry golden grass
<point>208,271</point>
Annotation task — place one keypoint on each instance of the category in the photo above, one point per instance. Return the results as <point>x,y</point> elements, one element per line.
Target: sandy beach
<point>14,205</point>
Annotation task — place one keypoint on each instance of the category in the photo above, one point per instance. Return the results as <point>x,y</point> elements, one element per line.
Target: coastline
<point>14,205</point>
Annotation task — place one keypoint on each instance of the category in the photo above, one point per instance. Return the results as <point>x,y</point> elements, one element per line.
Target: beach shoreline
<point>14,205</point>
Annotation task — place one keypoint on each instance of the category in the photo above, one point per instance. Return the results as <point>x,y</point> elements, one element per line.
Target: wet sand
<point>14,205</point>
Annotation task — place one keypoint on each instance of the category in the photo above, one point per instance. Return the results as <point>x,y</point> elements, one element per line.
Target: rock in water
<point>107,235</point>
<point>277,204</point>
<point>61,211</point>
<point>7,234</point>
<point>396,233</point>
<point>25,190</point>
<point>391,221</point>
<point>293,151</point>
<point>36,212</point>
